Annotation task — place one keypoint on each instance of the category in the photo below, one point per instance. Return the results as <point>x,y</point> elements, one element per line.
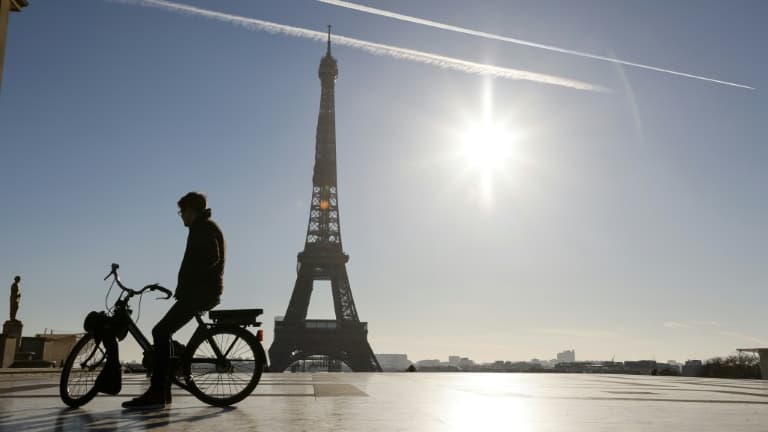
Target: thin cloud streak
<point>690,324</point>
<point>444,62</point>
<point>464,30</point>
<point>675,324</point>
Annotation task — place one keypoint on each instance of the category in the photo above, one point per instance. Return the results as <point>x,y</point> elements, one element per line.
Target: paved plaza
<point>412,402</point>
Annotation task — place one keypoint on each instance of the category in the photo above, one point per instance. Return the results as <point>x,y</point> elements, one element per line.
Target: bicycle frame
<point>202,330</point>
<point>142,340</point>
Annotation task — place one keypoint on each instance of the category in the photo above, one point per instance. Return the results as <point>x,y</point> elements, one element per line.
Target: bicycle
<point>221,363</point>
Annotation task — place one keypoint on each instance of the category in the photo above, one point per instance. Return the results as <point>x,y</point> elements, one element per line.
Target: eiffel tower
<point>345,338</point>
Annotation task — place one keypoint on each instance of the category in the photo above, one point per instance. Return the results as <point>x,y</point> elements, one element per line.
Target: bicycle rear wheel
<point>226,380</point>
<point>77,385</point>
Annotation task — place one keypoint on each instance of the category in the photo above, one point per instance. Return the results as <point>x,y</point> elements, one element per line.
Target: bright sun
<point>487,147</point>
<point>490,147</point>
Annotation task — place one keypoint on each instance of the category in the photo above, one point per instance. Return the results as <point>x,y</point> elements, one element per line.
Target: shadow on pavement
<point>69,419</point>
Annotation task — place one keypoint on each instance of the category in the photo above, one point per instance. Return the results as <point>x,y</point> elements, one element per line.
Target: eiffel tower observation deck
<point>323,259</point>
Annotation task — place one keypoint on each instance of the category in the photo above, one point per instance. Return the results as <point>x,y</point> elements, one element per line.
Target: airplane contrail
<point>464,30</point>
<point>371,47</point>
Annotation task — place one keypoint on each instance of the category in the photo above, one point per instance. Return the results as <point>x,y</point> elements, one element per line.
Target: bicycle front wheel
<point>224,365</point>
<point>77,385</point>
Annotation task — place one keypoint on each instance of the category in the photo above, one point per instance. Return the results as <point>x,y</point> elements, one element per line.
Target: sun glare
<point>487,147</point>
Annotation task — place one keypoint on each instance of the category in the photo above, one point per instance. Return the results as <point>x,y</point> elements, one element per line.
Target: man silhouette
<point>199,289</point>
<point>15,297</point>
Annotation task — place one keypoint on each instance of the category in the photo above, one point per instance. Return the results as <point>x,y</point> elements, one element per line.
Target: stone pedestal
<point>7,351</point>
<point>13,329</point>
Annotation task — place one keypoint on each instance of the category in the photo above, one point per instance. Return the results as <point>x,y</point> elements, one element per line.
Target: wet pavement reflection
<point>412,402</point>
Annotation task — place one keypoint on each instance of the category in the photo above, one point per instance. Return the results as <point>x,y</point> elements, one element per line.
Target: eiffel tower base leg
<point>348,345</point>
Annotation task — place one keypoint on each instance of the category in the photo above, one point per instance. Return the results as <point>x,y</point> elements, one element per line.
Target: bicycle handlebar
<point>162,289</point>
<point>152,287</point>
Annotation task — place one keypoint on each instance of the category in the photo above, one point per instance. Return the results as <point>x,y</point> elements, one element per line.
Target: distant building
<point>454,363</point>
<point>393,362</point>
<point>44,350</point>
<point>590,367</point>
<point>640,366</point>
<point>544,364</point>
<point>445,367</point>
<point>692,368</point>
<point>673,368</point>
<point>466,363</point>
<point>567,356</point>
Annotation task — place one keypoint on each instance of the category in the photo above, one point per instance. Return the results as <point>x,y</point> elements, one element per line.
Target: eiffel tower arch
<point>344,339</point>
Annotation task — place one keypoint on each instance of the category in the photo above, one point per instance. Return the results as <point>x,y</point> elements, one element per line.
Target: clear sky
<point>630,223</point>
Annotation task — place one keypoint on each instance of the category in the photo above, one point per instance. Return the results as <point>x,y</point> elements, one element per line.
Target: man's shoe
<point>152,399</point>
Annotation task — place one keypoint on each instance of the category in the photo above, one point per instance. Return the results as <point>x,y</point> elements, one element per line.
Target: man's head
<point>17,279</point>
<point>191,207</point>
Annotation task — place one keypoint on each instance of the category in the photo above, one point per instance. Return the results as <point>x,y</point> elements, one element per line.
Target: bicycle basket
<point>95,322</point>
<point>101,324</point>
<point>119,325</point>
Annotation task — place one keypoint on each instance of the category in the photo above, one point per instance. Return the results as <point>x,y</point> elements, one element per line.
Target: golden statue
<point>15,297</point>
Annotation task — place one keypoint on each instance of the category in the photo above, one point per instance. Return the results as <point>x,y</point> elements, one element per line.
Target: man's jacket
<point>201,276</point>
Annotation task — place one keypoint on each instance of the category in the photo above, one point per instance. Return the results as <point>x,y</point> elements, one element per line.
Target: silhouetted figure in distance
<point>15,297</point>
<point>199,289</point>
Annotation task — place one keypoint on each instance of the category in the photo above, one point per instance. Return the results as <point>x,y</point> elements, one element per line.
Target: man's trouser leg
<point>177,317</point>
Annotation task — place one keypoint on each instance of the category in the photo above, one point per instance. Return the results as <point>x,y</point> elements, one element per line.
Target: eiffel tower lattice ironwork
<point>345,338</point>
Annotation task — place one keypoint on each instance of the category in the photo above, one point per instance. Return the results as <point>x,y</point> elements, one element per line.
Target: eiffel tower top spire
<point>329,69</point>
